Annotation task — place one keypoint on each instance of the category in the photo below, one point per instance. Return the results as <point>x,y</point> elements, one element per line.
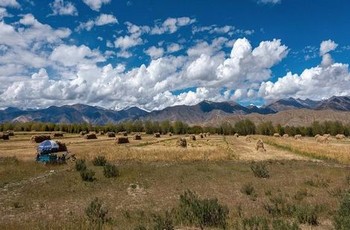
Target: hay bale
<point>248,138</point>
<point>61,146</point>
<point>317,135</point>
<point>39,138</point>
<point>201,135</point>
<point>157,135</point>
<point>340,136</point>
<point>276,135</point>
<point>170,134</point>
<point>322,139</point>
<point>122,140</point>
<point>11,133</point>
<point>137,137</point>
<point>82,133</point>
<point>4,136</point>
<point>193,137</point>
<point>90,136</point>
<point>182,142</point>
<point>101,133</point>
<point>297,137</point>
<point>260,146</point>
<point>236,135</point>
<point>124,134</point>
<point>54,135</point>
<point>327,135</point>
<point>110,134</point>
<point>208,134</point>
<point>285,135</point>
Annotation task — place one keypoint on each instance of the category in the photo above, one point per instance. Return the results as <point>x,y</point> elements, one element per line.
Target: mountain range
<point>203,112</point>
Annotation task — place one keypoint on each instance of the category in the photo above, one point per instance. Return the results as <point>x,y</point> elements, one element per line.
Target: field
<point>306,182</point>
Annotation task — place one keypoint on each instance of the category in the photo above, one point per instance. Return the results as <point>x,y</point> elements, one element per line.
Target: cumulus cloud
<point>60,7</point>
<point>327,46</point>
<point>126,42</point>
<point>269,1</point>
<point>9,3</point>
<point>3,13</point>
<point>173,47</point>
<point>171,25</point>
<point>101,20</point>
<point>154,52</point>
<point>96,4</point>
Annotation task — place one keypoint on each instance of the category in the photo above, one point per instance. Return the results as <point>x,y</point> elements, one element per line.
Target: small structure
<point>260,146</point>
<point>39,138</point>
<point>110,134</point>
<point>90,136</point>
<point>182,142</point>
<point>122,140</point>
<point>50,151</point>
<point>157,135</point>
<point>137,137</point>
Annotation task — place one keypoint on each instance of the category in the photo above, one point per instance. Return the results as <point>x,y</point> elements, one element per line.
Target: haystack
<point>340,136</point>
<point>170,134</point>
<point>193,137</point>
<point>61,146</point>
<point>124,133</point>
<point>260,146</point>
<point>327,135</point>
<point>101,133</point>
<point>39,138</point>
<point>276,135</point>
<point>285,135</point>
<point>208,134</point>
<point>90,136</point>
<point>110,134</point>
<point>248,138</point>
<point>122,140</point>
<point>317,135</point>
<point>137,137</point>
<point>53,135</point>
<point>182,142</point>
<point>4,136</point>
<point>201,135</point>
<point>322,139</point>
<point>157,135</point>
<point>82,133</point>
<point>236,135</point>
<point>11,133</point>
<point>297,137</point>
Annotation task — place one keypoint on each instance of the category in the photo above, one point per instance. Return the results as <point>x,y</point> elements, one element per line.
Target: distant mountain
<point>335,103</point>
<point>203,112</point>
<point>292,103</point>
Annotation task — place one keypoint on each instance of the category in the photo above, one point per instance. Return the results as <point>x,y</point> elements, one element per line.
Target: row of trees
<point>243,127</point>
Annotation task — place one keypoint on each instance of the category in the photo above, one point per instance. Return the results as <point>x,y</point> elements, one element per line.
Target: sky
<point>158,53</point>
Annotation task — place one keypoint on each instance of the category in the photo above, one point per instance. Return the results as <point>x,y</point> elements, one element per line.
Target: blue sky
<point>159,53</point>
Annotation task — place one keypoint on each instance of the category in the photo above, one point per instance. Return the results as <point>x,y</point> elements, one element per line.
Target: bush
<point>307,215</point>
<point>163,223</point>
<point>260,170</point>
<point>97,213</point>
<point>342,216</point>
<point>255,222</point>
<point>87,175</point>
<point>99,161</point>
<point>80,165</point>
<point>284,225</point>
<point>110,170</point>
<point>249,190</point>
<point>202,212</point>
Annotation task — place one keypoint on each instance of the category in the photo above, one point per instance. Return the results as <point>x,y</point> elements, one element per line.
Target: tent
<point>47,152</point>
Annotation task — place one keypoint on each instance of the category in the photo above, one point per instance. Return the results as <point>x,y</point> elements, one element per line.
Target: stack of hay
<point>61,146</point>
<point>137,137</point>
<point>4,136</point>
<point>53,135</point>
<point>182,142</point>
<point>193,137</point>
<point>170,134</point>
<point>285,135</point>
<point>11,133</point>
<point>157,135</point>
<point>340,136</point>
<point>260,146</point>
<point>39,138</point>
<point>122,140</point>
<point>125,134</point>
<point>297,137</point>
<point>82,133</point>
<point>90,136</point>
<point>102,133</point>
<point>201,135</point>
<point>236,135</point>
<point>276,135</point>
<point>110,134</point>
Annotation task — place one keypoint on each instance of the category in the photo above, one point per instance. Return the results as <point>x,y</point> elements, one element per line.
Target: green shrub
<point>318,183</point>
<point>202,212</point>
<point>110,170</point>
<point>163,222</point>
<point>260,170</point>
<point>342,217</point>
<point>307,215</point>
<point>99,161</point>
<point>249,190</point>
<point>87,175</point>
<point>301,194</point>
<point>96,213</point>
<point>255,222</point>
<point>80,165</point>
<point>278,206</point>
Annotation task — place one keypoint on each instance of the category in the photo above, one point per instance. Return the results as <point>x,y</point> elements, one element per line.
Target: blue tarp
<point>46,152</point>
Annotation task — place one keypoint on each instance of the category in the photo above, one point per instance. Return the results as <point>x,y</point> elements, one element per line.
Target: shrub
<point>342,217</point>
<point>306,215</point>
<point>80,165</point>
<point>96,213</point>
<point>110,170</point>
<point>301,194</point>
<point>260,170</point>
<point>163,222</point>
<point>284,225</point>
<point>249,190</point>
<point>255,222</point>
<point>99,161</point>
<point>87,175</point>
<point>202,212</point>
<point>278,206</point>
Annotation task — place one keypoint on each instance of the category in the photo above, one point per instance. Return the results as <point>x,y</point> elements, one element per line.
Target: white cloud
<point>171,25</point>
<point>173,47</point>
<point>3,13</point>
<point>60,7</point>
<point>127,42</point>
<point>9,3</point>
<point>154,52</point>
<point>327,46</point>
<point>96,4</point>
<point>103,19</point>
<point>269,1</point>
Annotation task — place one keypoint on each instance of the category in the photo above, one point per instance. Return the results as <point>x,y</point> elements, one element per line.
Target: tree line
<point>243,127</point>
